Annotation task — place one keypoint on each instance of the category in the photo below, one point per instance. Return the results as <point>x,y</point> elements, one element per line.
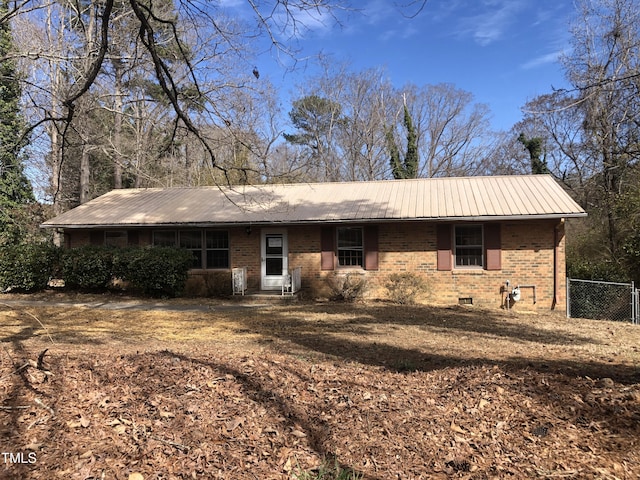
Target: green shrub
<point>88,267</point>
<point>27,267</point>
<point>157,271</point>
<point>404,287</point>
<point>347,287</point>
<point>603,270</point>
<point>154,271</point>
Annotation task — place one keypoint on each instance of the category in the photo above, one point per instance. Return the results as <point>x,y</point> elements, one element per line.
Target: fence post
<point>633,303</point>
<point>568,298</point>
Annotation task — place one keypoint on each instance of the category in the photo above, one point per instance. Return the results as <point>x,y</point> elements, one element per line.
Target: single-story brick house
<point>467,236</point>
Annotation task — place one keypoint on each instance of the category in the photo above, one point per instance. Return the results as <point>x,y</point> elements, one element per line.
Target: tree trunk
<point>85,175</point>
<point>117,126</point>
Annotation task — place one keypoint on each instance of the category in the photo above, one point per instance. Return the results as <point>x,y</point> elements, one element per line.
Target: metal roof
<point>436,199</point>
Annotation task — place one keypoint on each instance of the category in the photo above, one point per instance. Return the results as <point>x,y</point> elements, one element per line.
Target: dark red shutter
<point>493,246</point>
<point>371,247</point>
<point>327,241</point>
<point>96,237</point>
<point>443,244</point>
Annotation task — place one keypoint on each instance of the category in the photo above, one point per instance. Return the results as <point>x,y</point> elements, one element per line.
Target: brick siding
<point>527,258</point>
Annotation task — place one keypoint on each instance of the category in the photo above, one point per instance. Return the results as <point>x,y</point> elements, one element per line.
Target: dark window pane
<point>274,245</point>
<point>197,258</point>
<point>274,266</point>
<point>217,239</point>
<point>191,239</point>
<point>469,248</point>
<point>217,258</point>
<point>468,257</point>
<point>349,237</point>
<point>117,238</point>
<point>217,249</point>
<point>350,247</point>
<point>469,235</point>
<point>349,258</point>
<point>164,238</point>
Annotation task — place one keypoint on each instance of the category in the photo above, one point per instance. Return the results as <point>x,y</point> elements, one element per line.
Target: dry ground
<point>290,391</point>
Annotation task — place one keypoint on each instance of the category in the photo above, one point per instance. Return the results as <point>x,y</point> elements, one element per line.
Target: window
<point>115,238</point>
<point>350,247</point>
<point>217,244</point>
<point>192,240</point>
<point>210,248</point>
<point>468,247</point>
<point>164,238</point>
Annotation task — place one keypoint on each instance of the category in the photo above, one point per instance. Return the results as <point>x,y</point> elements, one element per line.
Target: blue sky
<point>502,51</point>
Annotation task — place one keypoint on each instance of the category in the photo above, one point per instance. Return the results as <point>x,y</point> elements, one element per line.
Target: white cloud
<point>378,11</point>
<point>231,3</point>
<point>489,24</point>
<point>542,60</point>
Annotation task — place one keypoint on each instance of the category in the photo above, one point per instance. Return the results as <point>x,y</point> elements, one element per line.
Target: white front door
<point>274,262</point>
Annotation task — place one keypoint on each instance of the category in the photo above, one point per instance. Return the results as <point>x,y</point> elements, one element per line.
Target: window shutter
<point>443,244</point>
<point>371,247</point>
<point>327,240</point>
<point>96,237</point>
<point>493,246</point>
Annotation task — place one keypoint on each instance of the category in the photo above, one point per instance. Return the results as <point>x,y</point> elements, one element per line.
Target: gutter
<point>324,221</point>
<point>556,263</point>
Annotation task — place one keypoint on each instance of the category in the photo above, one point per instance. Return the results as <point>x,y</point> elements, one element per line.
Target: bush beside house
<point>153,271</point>
<point>27,267</point>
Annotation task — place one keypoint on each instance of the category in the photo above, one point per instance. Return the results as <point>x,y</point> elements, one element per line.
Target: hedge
<point>27,267</point>
<point>152,270</point>
<point>155,270</point>
<point>87,268</point>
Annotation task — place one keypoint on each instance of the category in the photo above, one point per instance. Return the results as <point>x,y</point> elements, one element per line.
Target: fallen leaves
<point>225,415</point>
<point>276,409</point>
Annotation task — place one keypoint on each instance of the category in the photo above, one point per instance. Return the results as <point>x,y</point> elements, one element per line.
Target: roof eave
<point>481,218</point>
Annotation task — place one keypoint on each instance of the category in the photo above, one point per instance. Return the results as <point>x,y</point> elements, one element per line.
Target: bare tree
<point>450,129</point>
<point>590,132</point>
<point>83,44</point>
<point>605,70</point>
<point>363,138</point>
<point>504,156</point>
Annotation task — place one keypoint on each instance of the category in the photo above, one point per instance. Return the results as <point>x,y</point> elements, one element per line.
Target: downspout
<point>556,263</point>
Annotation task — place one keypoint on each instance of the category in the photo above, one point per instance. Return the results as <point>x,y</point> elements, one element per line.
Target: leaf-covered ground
<point>277,392</point>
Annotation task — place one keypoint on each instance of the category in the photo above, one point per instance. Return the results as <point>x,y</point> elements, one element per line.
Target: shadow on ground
<point>348,332</point>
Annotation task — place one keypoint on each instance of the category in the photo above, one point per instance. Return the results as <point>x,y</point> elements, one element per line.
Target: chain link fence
<point>602,300</point>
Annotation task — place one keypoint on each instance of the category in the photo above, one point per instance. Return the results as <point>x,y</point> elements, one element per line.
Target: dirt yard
<point>314,391</point>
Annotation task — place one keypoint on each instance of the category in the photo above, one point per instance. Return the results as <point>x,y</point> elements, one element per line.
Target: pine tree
<point>411,157</point>
<point>407,167</point>
<point>16,191</point>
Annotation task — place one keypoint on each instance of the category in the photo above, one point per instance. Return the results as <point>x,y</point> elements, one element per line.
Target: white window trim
<point>206,250</point>
<point>347,267</point>
<point>203,245</point>
<point>455,248</point>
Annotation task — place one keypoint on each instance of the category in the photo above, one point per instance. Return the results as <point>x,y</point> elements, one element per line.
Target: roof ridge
<point>347,182</point>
